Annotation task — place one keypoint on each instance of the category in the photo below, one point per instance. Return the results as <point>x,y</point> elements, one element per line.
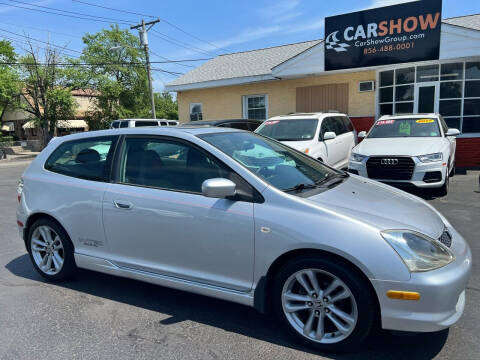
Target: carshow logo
<point>394,34</point>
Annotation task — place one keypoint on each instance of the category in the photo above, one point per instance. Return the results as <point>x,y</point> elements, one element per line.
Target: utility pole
<point>144,41</point>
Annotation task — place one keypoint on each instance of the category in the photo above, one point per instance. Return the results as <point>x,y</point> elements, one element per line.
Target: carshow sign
<point>394,34</point>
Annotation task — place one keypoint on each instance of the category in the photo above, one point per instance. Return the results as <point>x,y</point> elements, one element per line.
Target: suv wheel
<point>443,190</point>
<point>51,250</point>
<point>324,303</point>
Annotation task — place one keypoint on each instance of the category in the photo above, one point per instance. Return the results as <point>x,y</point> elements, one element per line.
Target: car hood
<point>399,146</point>
<point>298,145</point>
<point>381,206</point>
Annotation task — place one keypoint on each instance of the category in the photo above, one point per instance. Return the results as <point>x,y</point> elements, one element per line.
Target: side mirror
<point>362,134</point>
<point>329,135</point>
<point>218,188</point>
<point>453,132</point>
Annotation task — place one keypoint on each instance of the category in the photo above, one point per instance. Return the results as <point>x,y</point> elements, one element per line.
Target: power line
<point>184,43</point>
<point>168,72</point>
<point>41,29</point>
<point>168,60</point>
<point>109,8</point>
<point>98,64</point>
<point>41,41</point>
<point>59,14</point>
<point>71,12</point>
<point>178,44</point>
<point>162,19</point>
<point>24,43</point>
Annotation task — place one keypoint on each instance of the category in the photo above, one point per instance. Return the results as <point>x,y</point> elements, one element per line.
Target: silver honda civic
<point>237,216</point>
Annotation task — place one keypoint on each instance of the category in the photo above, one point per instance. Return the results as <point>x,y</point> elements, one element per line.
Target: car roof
<point>151,130</point>
<point>223,121</point>
<point>305,115</point>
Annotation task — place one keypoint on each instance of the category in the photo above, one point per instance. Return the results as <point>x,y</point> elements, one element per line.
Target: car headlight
<point>419,252</point>
<point>431,157</point>
<point>357,157</point>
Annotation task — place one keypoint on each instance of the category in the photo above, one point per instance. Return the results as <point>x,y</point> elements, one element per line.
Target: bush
<point>6,140</point>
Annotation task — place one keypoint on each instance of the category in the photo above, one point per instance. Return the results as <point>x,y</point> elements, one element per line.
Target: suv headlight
<point>431,157</point>
<point>419,252</point>
<point>357,157</point>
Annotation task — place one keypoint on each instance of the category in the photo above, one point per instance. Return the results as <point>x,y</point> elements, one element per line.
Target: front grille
<point>446,238</point>
<point>390,167</point>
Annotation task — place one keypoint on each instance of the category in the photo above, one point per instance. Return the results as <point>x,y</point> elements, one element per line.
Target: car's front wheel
<point>51,250</point>
<point>324,303</point>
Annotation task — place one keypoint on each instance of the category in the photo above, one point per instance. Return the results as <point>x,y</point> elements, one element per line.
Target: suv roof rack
<point>311,113</point>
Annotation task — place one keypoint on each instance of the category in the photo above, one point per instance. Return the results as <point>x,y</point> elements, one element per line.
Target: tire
<point>452,171</point>
<point>363,307</point>
<point>49,244</point>
<point>443,190</point>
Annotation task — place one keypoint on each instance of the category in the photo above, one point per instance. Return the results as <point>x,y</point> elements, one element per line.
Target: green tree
<point>165,106</point>
<point>45,93</point>
<point>9,84</point>
<point>118,74</point>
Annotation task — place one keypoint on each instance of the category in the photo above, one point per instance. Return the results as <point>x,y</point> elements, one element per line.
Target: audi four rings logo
<point>389,161</point>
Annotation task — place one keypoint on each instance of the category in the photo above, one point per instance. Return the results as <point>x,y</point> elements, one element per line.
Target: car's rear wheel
<point>323,303</point>
<point>51,250</point>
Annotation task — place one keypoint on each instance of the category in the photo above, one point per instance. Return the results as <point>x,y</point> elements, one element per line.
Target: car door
<point>452,142</point>
<point>157,220</point>
<point>333,147</point>
<point>347,138</point>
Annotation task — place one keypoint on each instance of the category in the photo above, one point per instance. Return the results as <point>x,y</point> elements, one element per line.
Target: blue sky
<point>230,25</point>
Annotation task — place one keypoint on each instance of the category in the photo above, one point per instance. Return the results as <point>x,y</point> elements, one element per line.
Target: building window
<point>457,84</point>
<point>255,107</point>
<point>196,111</point>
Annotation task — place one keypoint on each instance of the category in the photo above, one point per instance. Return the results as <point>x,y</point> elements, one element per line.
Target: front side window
<point>88,158</point>
<point>255,107</point>
<point>277,164</point>
<point>289,130</point>
<point>196,111</point>
<point>168,164</point>
<point>124,124</point>
<point>405,127</point>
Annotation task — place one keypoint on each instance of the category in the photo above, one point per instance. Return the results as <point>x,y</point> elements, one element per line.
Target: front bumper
<point>417,179</point>
<point>442,294</point>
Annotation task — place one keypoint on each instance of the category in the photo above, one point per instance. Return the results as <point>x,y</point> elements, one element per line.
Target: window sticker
<point>425,121</point>
<point>404,128</point>
<point>385,122</point>
<point>272,122</point>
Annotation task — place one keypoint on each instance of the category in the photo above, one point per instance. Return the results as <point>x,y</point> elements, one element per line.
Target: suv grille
<point>446,238</point>
<point>390,167</point>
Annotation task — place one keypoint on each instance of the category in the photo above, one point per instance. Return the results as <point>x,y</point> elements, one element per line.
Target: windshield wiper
<point>332,179</point>
<point>300,187</point>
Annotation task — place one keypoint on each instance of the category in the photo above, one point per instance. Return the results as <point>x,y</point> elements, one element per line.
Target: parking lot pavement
<point>98,316</point>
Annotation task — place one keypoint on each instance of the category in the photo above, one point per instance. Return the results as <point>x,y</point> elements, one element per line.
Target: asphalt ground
<point>97,316</point>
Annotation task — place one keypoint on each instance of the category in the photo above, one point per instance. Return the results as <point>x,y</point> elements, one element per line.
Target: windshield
<point>275,163</point>
<point>289,130</point>
<point>405,127</point>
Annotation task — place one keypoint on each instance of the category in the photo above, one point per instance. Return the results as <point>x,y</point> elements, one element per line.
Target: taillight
<point>20,190</point>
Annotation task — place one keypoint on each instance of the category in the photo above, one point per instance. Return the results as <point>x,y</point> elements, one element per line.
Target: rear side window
<point>339,125</point>
<point>124,124</point>
<point>88,159</point>
<point>146,123</point>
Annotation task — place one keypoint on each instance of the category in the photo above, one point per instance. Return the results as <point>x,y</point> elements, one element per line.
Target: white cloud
<point>281,11</point>
<point>247,35</point>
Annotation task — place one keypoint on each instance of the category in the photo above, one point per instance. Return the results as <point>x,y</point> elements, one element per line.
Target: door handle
<point>121,204</point>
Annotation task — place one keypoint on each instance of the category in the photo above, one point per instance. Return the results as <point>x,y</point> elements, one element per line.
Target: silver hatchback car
<point>237,216</point>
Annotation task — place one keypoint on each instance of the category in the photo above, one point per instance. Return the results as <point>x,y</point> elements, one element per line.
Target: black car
<point>243,124</point>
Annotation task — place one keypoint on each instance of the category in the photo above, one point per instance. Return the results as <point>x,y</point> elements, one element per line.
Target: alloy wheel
<point>47,250</point>
<point>319,306</point>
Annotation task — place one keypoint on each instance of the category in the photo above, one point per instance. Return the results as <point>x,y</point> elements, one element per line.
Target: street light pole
<point>144,41</point>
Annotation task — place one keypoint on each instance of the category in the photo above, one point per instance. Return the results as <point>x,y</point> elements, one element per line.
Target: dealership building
<point>390,78</point>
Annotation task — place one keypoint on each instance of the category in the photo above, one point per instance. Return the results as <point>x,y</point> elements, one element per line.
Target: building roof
<point>242,64</point>
<point>255,63</point>
<point>467,21</point>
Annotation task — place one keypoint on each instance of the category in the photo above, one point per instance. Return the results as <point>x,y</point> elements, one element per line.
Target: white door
<point>426,97</point>
<point>333,147</point>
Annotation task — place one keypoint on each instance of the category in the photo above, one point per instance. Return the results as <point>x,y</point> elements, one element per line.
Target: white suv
<point>415,149</point>
<point>125,123</point>
<point>328,137</point>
